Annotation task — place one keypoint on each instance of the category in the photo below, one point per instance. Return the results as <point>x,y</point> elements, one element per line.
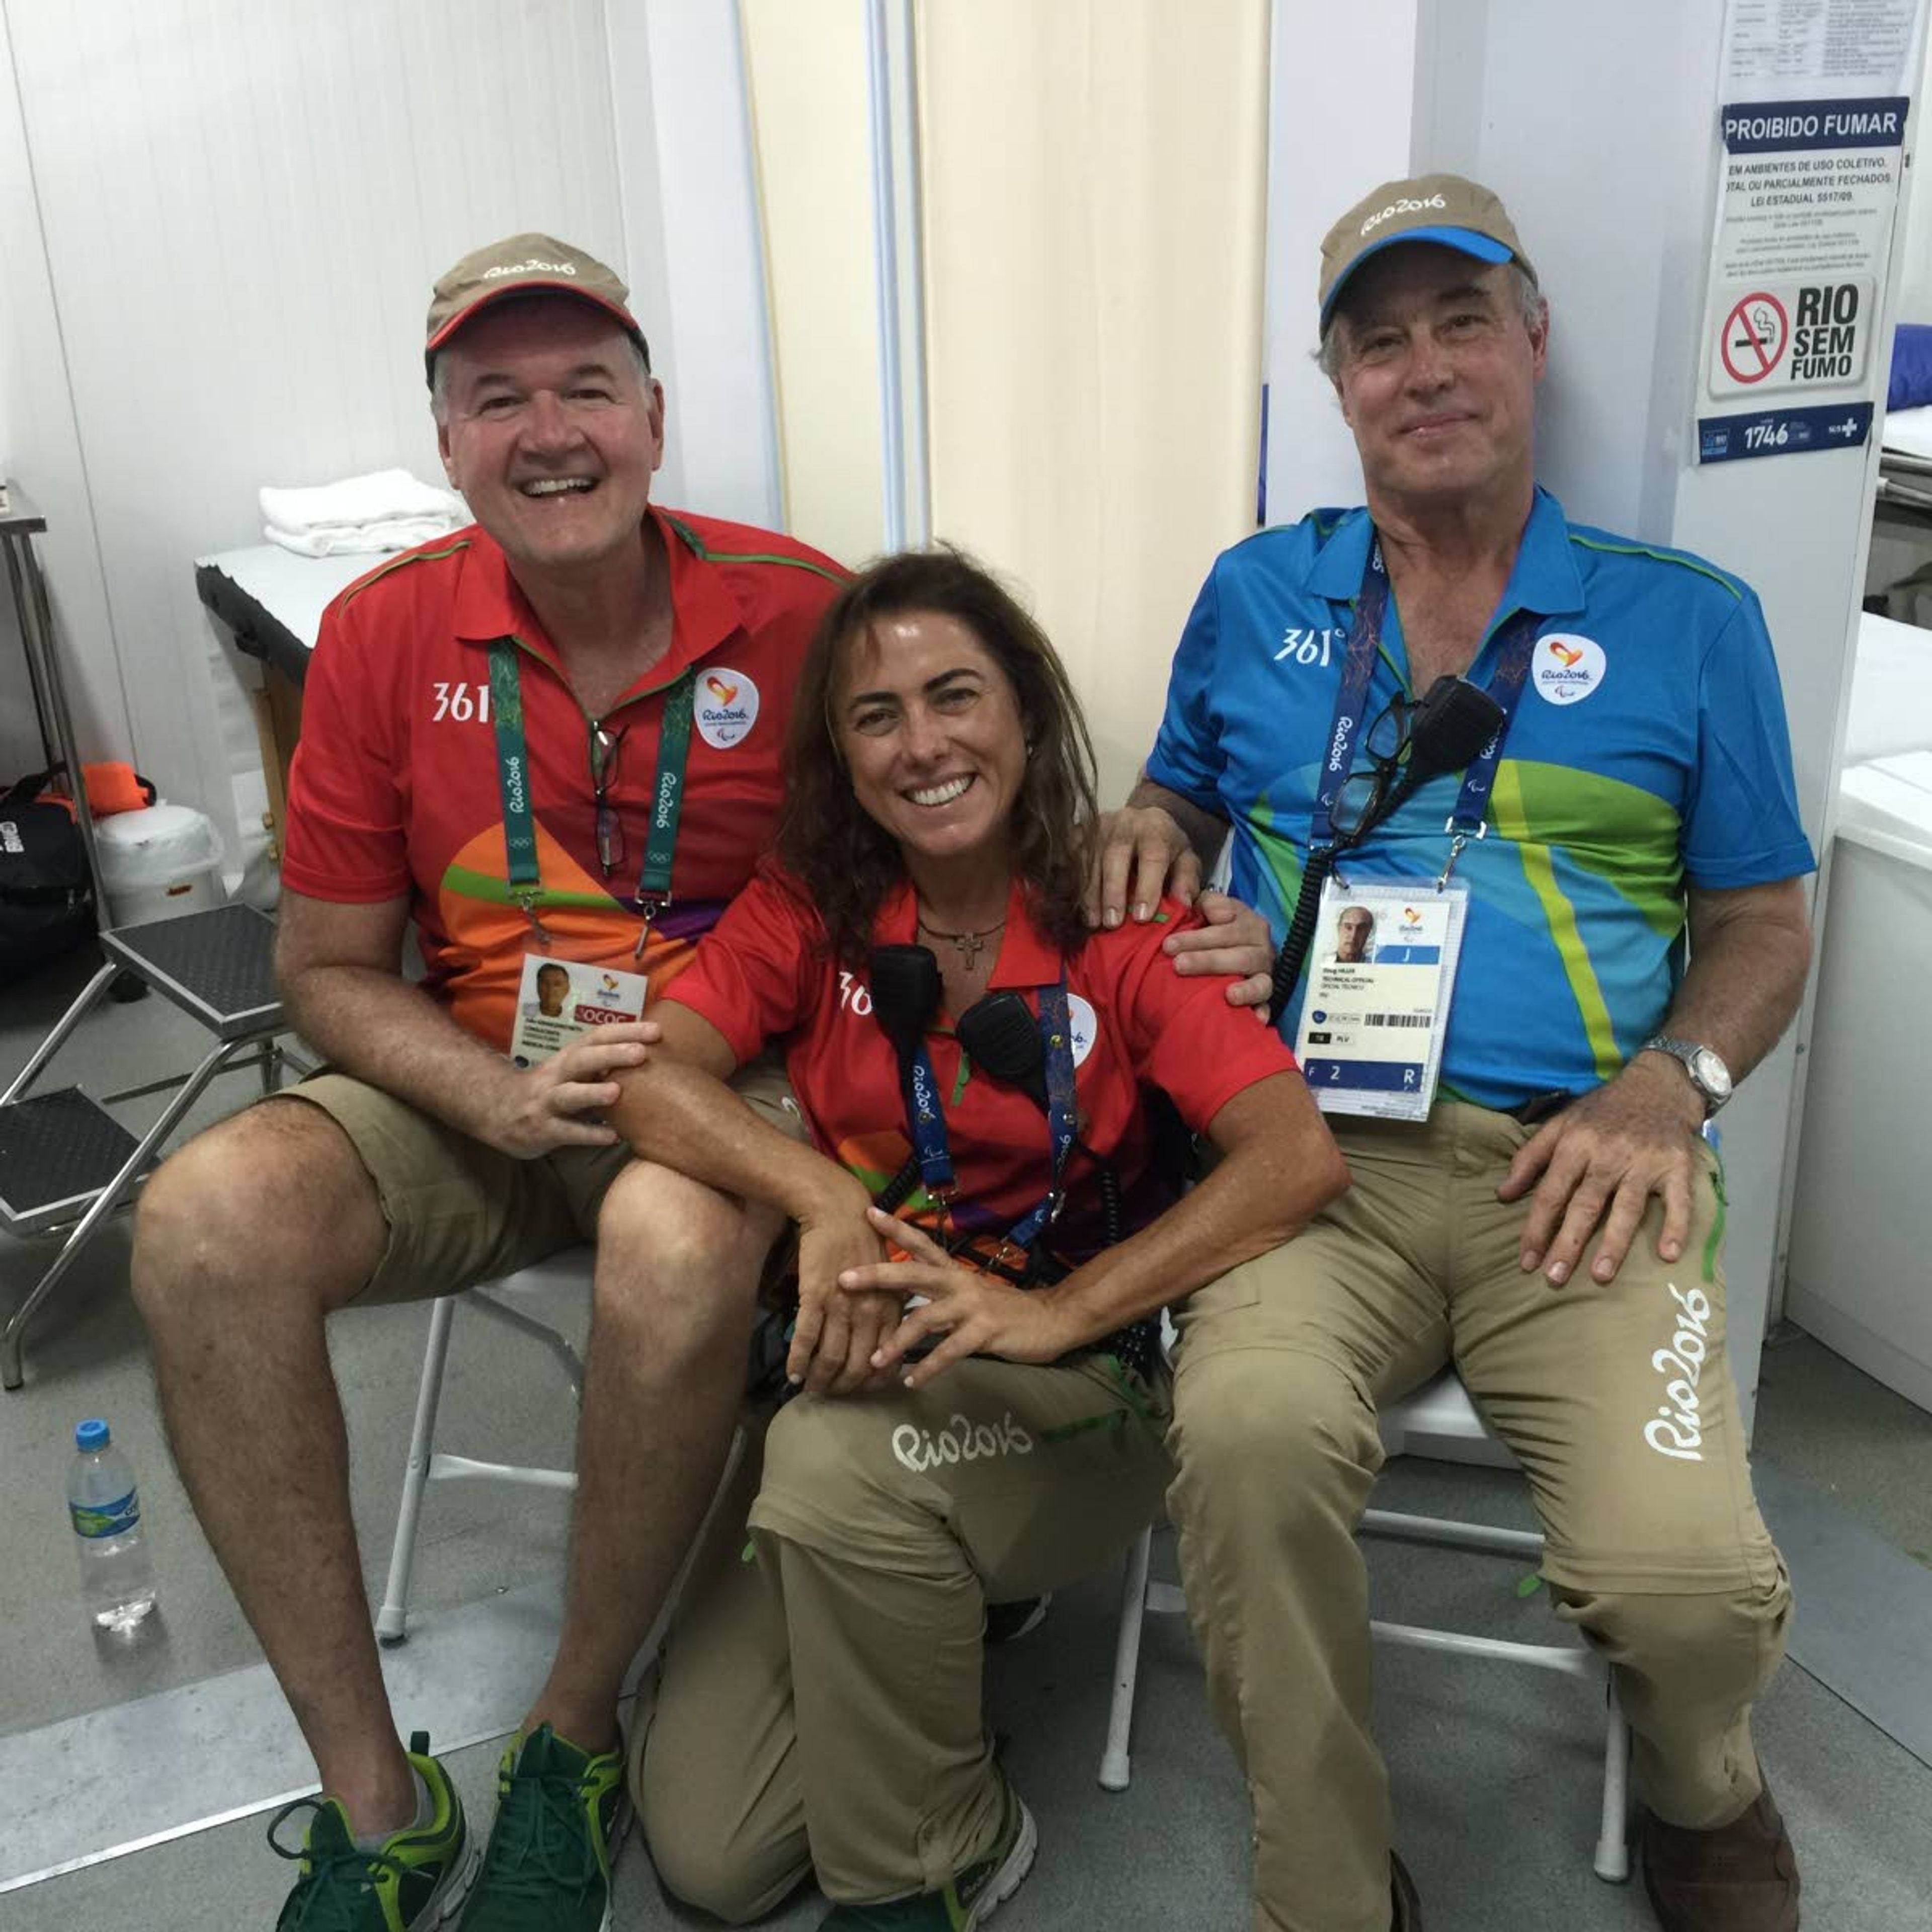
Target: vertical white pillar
<point>1340,114</point>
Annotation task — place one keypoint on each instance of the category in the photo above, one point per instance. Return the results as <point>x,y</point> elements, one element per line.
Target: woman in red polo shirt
<point>964,1049</point>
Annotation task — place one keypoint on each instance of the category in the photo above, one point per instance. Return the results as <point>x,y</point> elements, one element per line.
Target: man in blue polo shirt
<point>1518,1070</point>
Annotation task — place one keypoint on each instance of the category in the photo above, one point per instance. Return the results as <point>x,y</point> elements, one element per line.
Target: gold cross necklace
<point>968,945</point>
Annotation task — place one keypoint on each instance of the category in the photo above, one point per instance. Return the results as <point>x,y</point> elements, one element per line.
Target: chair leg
<point>1613,1859</point>
<point>1116,1767</point>
<point>392,1620</point>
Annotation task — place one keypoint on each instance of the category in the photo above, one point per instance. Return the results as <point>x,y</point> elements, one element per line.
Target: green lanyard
<point>513,780</point>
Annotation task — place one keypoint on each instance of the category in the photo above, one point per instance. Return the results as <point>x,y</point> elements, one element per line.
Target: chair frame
<point>1442,1415</point>
<point>427,1464</point>
<point>568,1268</point>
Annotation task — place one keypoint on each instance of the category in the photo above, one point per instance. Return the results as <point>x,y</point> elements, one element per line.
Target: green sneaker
<point>974,1895</point>
<point>560,1816</point>
<point>418,1879</point>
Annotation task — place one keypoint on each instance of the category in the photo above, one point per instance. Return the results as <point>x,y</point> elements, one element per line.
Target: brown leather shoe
<point>1408,1912</point>
<point>1742,1877</point>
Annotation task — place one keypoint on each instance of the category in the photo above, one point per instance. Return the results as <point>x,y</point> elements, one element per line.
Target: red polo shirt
<point>394,791</point>
<point>766,973</point>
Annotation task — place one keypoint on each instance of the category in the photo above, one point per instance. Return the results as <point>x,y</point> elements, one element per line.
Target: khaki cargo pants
<point>818,1707</point>
<point>1616,1400</point>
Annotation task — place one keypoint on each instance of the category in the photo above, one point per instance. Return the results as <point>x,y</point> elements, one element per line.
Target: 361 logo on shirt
<point>462,701</point>
<point>1309,646</point>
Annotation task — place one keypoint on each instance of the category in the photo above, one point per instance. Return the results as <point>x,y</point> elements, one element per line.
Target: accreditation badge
<point>1380,970</point>
<point>559,1000</point>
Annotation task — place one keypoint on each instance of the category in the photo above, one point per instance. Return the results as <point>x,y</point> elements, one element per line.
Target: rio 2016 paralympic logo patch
<point>1567,668</point>
<point>723,706</point>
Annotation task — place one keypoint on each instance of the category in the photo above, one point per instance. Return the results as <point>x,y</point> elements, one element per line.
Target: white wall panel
<point>243,209</point>
<point>42,452</point>
<point>691,203</point>
<point>1331,138</point>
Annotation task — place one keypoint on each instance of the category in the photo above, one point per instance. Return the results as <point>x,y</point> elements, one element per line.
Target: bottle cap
<point>91,1434</point>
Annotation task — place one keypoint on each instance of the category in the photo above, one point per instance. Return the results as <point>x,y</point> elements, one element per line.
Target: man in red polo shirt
<point>550,743</point>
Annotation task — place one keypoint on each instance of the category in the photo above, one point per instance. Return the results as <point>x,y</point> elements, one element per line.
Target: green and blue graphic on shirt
<point>1649,752</point>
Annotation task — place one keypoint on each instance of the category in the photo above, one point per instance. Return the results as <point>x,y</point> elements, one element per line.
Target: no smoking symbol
<point>1754,335</point>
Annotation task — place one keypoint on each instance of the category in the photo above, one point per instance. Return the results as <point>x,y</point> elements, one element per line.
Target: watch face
<point>1711,1073</point>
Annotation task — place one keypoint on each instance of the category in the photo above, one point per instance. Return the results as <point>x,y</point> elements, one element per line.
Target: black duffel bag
<point>46,903</point>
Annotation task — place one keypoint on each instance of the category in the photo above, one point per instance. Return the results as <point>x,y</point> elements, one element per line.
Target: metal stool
<point>65,1162</point>
<point>1439,1421</point>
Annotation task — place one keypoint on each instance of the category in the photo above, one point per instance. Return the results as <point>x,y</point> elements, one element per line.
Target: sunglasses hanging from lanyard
<point>1454,721</point>
<point>1000,1035</point>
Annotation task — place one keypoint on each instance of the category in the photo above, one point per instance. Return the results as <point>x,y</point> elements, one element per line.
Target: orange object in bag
<point>115,787</point>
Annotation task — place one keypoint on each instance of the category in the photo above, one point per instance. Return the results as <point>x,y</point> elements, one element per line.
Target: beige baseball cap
<point>523,265</point>
<point>1443,208</point>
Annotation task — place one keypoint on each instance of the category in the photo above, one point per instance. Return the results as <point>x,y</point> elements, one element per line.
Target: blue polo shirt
<point>1647,752</point>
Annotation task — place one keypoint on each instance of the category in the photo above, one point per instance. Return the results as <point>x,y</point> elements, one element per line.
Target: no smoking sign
<point>1753,338</point>
<point>1782,336</point>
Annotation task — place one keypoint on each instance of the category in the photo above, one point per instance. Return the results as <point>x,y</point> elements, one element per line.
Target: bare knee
<point>677,1255</point>
<point>275,1200</point>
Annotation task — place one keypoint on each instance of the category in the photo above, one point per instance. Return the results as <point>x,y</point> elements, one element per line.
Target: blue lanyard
<point>928,1122</point>
<point>1515,643</point>
<point>1358,671</point>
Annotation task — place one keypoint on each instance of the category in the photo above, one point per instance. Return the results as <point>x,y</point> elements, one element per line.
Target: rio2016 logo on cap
<point>723,706</point>
<point>1407,204</point>
<point>1567,668</point>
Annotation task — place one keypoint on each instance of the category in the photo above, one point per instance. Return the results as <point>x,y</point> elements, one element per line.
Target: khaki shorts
<point>459,1212</point>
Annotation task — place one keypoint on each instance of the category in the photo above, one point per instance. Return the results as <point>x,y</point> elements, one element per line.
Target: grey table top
<point>20,518</point>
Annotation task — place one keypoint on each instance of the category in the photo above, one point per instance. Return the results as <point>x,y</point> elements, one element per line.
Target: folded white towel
<point>358,501</point>
<point>387,533</point>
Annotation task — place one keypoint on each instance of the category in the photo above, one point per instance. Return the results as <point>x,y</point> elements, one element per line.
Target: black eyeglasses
<point>1359,803</point>
<point>604,747</point>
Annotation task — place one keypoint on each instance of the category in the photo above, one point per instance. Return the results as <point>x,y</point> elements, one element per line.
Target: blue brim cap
<point>1464,240</point>
<point>1446,209</point>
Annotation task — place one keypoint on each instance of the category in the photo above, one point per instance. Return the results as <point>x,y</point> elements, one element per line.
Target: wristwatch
<point>1705,1064</point>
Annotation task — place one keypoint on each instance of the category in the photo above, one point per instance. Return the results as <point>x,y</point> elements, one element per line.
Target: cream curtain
<point>1094,199</point>
<point>1095,176</point>
<point>805,61</point>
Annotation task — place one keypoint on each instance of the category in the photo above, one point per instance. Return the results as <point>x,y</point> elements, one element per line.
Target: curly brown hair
<point>847,863</point>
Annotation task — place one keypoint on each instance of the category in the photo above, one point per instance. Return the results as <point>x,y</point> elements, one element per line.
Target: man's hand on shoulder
<point>1235,940</point>
<point>1143,848</point>
<point>1599,1162</point>
<point>529,1111</point>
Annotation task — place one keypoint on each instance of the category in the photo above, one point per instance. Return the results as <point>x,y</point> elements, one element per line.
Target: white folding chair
<point>569,1268</point>
<point>1439,1421</point>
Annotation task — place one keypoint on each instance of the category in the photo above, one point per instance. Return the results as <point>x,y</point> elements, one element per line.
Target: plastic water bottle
<point>117,1578</point>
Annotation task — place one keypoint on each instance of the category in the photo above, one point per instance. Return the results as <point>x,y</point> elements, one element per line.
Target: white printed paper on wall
<point>1814,134</point>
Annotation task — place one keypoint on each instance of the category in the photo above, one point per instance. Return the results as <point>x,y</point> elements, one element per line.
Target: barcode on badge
<point>1398,1019</point>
